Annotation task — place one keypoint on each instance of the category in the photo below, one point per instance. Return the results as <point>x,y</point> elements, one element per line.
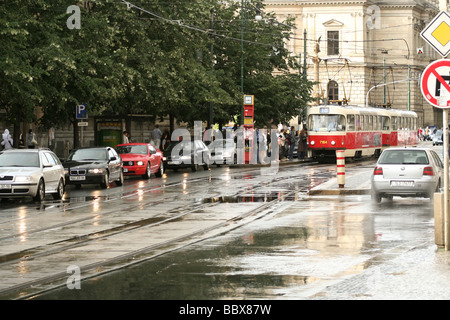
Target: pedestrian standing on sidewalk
<point>7,141</point>
<point>31,139</point>
<point>302,143</point>
<point>165,138</point>
<point>156,137</point>
<point>125,137</point>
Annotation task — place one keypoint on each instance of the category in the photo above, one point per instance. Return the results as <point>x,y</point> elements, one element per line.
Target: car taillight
<point>378,171</point>
<point>428,171</point>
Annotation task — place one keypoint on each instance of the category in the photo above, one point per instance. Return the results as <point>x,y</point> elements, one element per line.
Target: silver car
<point>223,151</point>
<point>31,172</point>
<point>407,172</point>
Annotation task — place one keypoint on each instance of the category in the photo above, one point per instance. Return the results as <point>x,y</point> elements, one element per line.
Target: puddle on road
<point>234,268</point>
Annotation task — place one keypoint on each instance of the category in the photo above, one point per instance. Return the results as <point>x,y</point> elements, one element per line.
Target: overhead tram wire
<point>183,25</point>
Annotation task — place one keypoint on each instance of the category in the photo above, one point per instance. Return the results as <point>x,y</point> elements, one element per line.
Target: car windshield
<point>228,143</point>
<point>87,155</point>
<point>19,159</point>
<point>186,145</point>
<point>404,157</point>
<point>134,149</point>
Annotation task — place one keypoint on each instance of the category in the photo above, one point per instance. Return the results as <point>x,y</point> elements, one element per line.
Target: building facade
<point>355,45</point>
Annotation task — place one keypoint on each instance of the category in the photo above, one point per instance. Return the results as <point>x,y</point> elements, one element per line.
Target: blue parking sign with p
<point>81,111</point>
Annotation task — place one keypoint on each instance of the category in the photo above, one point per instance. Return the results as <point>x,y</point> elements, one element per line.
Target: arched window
<point>333,91</point>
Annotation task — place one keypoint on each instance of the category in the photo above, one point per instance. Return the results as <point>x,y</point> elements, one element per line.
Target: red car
<point>141,159</point>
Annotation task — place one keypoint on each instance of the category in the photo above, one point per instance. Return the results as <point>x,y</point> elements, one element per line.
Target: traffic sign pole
<point>436,90</point>
<point>446,179</point>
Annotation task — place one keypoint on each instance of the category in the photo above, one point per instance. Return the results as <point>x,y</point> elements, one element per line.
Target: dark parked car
<point>186,154</point>
<point>100,165</point>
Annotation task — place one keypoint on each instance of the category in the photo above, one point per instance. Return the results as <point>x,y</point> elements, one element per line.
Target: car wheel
<point>160,172</point>
<point>60,191</point>
<point>147,173</point>
<point>120,181</point>
<point>40,194</point>
<point>105,182</point>
<point>375,196</point>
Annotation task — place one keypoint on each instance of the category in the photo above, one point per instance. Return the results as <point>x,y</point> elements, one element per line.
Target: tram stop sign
<point>435,84</point>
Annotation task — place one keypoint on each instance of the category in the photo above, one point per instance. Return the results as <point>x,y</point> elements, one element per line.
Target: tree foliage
<point>157,58</point>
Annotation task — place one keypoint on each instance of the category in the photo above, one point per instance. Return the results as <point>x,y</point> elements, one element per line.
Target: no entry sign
<point>435,83</point>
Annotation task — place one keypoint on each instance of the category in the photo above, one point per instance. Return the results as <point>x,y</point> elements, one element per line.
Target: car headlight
<point>23,179</point>
<point>164,158</point>
<point>66,171</point>
<point>95,171</point>
<point>140,163</point>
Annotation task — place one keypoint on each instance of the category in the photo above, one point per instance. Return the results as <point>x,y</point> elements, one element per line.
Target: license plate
<point>77,178</point>
<point>125,169</point>
<point>5,186</point>
<point>402,183</point>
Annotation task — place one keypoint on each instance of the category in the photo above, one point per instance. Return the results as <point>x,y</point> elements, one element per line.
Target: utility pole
<point>304,52</point>
<point>316,61</point>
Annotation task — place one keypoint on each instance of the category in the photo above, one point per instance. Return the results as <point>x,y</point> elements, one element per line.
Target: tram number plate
<point>402,183</point>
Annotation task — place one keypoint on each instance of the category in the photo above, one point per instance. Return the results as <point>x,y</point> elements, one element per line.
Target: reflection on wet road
<point>322,247</point>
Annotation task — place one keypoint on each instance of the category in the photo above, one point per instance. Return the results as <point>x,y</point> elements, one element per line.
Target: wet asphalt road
<point>285,244</point>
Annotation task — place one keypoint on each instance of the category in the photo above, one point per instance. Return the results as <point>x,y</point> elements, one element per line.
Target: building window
<point>333,91</point>
<point>333,43</point>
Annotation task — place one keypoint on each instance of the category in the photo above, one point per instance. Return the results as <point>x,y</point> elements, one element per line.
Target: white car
<point>407,172</point>
<point>223,151</point>
<point>31,172</point>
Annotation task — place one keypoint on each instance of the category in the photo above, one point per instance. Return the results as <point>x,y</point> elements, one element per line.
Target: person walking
<point>7,141</point>
<point>156,137</point>
<point>303,143</point>
<point>31,139</point>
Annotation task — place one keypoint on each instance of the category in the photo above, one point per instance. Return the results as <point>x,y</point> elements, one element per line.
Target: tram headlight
<point>333,143</point>
<point>313,142</point>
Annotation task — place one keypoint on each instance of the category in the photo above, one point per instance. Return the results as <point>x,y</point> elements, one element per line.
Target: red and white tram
<point>359,131</point>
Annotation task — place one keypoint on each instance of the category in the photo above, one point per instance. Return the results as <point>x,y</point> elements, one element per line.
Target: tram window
<point>370,123</point>
<point>385,123</point>
<point>351,122</point>
<point>366,123</point>
<point>326,122</point>
<point>394,123</point>
<point>358,123</point>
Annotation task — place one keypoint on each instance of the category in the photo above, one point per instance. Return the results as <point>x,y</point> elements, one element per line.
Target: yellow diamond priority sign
<point>437,33</point>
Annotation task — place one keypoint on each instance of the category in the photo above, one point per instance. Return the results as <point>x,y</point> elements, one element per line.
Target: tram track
<point>77,241</point>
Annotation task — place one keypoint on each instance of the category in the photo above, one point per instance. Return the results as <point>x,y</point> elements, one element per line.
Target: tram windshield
<point>326,122</point>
